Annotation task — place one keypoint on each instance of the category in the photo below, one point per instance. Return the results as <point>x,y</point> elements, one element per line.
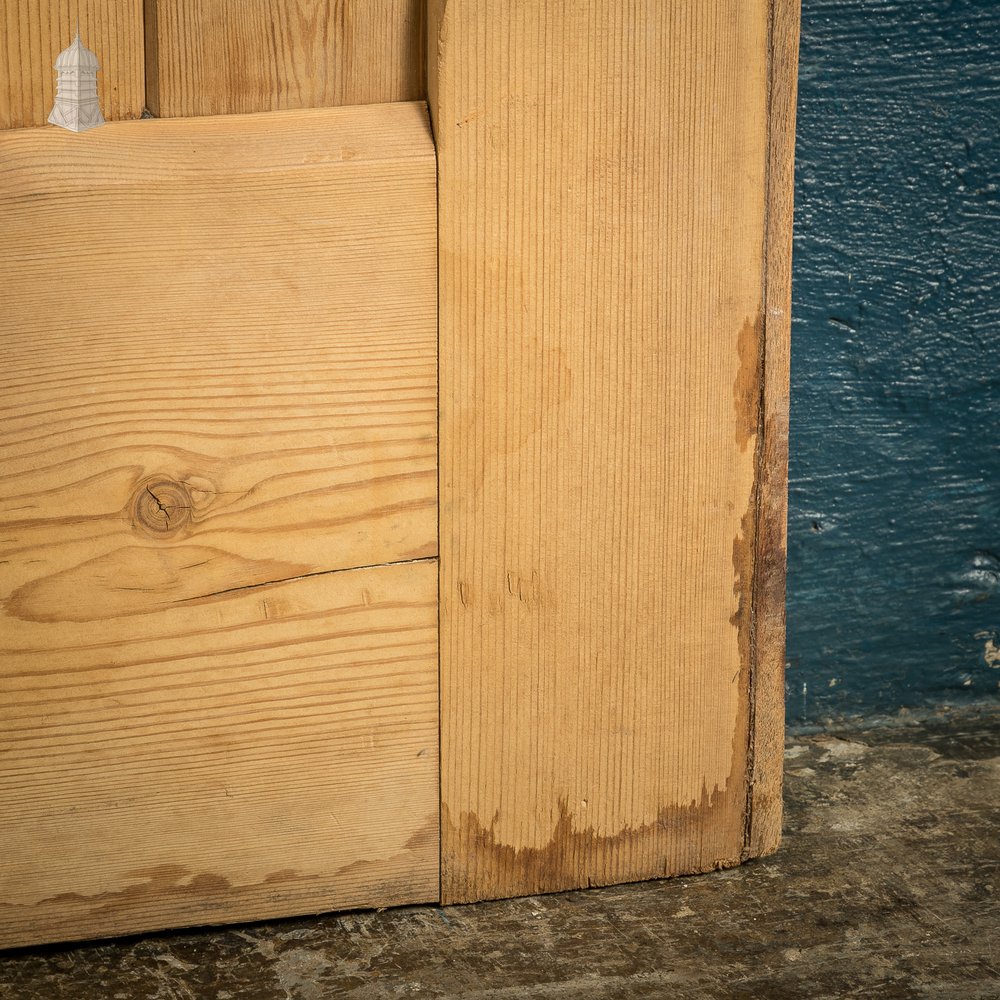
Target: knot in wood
<point>161,507</point>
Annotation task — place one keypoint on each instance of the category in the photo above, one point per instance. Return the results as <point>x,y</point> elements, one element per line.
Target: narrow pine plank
<point>232,56</point>
<point>602,178</point>
<point>266,752</point>
<point>219,356</point>
<point>768,696</point>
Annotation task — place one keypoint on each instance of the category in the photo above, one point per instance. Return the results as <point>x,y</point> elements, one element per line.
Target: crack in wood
<point>306,576</point>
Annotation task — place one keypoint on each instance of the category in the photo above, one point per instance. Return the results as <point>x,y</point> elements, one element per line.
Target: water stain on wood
<point>558,864</point>
<point>747,387</point>
<point>702,835</point>
<point>207,896</point>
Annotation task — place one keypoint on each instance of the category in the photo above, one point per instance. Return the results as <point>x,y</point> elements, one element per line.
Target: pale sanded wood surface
<point>266,752</point>
<point>218,369</point>
<point>34,32</point>
<point>219,354</point>
<point>209,57</point>
<point>602,182</point>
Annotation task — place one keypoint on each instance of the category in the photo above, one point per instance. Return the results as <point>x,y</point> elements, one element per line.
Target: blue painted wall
<point>894,502</point>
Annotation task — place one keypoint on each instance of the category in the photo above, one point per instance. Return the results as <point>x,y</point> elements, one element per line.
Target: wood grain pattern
<point>602,177</point>
<point>218,373</point>
<point>209,57</point>
<point>767,691</point>
<point>260,753</point>
<point>34,32</point>
<point>219,353</point>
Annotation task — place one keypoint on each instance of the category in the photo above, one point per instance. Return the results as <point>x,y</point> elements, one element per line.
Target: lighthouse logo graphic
<point>76,106</point>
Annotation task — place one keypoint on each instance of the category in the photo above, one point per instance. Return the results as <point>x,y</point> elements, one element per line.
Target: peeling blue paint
<point>894,495</point>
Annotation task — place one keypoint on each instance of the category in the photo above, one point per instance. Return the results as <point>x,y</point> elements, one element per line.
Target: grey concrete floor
<point>886,886</point>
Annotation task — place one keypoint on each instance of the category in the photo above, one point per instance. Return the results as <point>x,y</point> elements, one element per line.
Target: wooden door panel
<point>219,459</point>
<point>218,520</point>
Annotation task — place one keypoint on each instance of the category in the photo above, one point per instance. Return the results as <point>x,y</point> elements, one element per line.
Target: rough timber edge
<point>762,832</point>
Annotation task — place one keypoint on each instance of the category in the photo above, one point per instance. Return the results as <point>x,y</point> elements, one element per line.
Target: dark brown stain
<point>771,553</point>
<point>164,881</point>
<point>744,560</point>
<point>704,835</point>
<point>759,566</point>
<point>151,26</point>
<point>767,629</point>
<point>748,402</point>
<point>158,882</point>
<point>747,387</point>
<point>174,895</point>
<point>681,840</point>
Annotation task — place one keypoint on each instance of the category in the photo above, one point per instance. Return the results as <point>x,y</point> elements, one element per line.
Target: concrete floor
<point>886,886</point>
